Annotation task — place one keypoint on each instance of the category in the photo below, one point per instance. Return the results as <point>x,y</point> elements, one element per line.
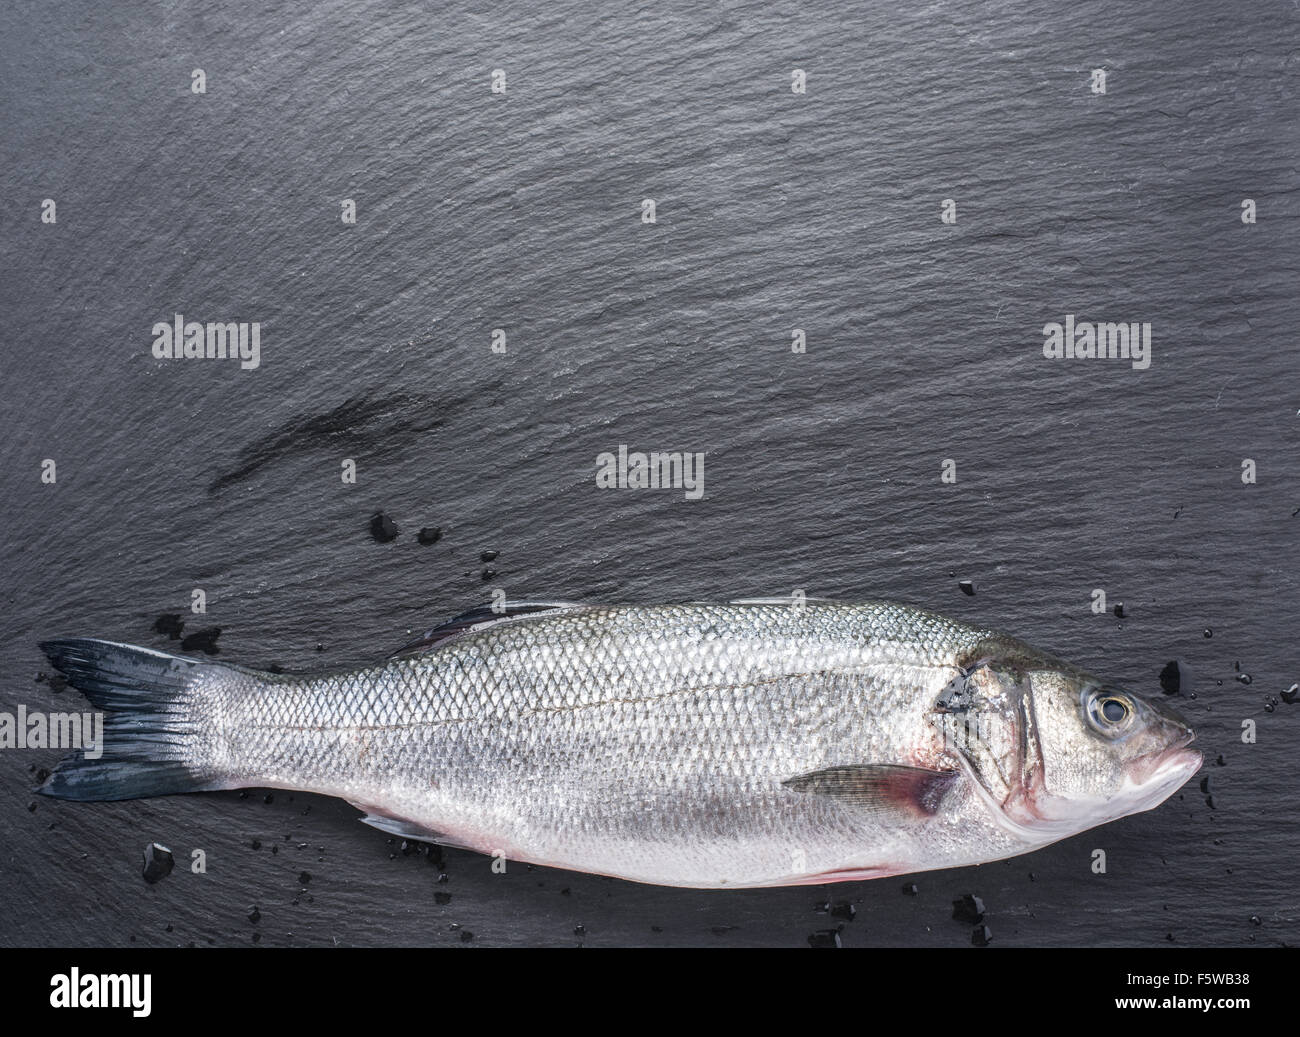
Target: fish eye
<point>1108,712</point>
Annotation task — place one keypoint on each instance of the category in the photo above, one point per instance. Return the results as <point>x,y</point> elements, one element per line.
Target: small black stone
<point>825,938</point>
<point>382,528</point>
<point>204,640</point>
<point>967,587</point>
<point>158,862</point>
<point>1175,677</point>
<point>982,936</point>
<point>968,909</point>
<point>429,535</point>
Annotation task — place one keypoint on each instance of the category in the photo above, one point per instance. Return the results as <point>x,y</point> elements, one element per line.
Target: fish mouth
<point>1165,766</point>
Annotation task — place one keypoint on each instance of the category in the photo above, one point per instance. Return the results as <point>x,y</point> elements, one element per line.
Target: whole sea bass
<point>752,743</point>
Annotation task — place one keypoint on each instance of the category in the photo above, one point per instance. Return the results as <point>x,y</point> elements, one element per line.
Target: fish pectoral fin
<point>479,619</point>
<point>884,788</point>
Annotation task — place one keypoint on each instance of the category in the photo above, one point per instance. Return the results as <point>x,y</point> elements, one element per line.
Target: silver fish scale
<point>646,742</point>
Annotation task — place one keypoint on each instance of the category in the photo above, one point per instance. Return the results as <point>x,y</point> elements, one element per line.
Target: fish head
<point>1054,750</point>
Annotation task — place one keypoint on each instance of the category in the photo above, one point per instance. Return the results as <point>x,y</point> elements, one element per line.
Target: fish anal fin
<point>377,817</point>
<point>879,787</point>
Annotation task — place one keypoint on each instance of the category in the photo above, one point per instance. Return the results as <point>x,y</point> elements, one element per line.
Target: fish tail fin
<point>151,730</point>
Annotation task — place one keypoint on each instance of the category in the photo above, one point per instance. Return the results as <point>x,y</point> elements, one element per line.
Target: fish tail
<point>151,730</point>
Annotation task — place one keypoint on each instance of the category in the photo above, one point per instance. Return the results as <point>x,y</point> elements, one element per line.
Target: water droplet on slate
<point>982,936</point>
<point>825,938</point>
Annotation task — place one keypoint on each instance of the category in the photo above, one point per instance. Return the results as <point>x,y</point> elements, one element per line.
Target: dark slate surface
<point>775,211</point>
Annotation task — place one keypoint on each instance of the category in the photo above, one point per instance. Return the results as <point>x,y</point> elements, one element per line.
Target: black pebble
<point>382,528</point>
<point>157,862</point>
<point>169,623</point>
<point>982,936</point>
<point>967,587</point>
<point>825,938</point>
<point>1175,677</point>
<point>489,556</point>
<point>429,535</point>
<point>204,640</point>
<point>968,909</point>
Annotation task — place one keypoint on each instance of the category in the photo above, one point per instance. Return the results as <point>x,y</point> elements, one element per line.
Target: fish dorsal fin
<point>788,601</point>
<point>479,619</point>
<point>882,788</point>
